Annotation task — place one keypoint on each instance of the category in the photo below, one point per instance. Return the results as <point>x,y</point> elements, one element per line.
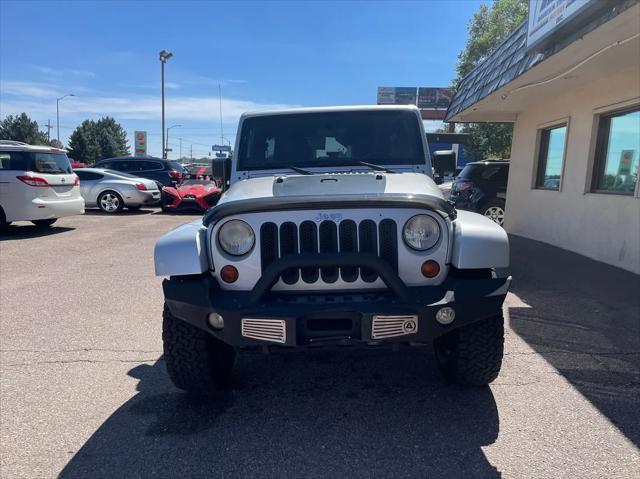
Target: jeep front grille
<point>329,237</point>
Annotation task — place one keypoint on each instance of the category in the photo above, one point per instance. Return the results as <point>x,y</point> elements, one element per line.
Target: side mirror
<point>444,162</point>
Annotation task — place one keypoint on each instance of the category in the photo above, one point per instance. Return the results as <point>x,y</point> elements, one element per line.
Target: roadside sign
<point>140,143</point>
<point>226,148</point>
<point>221,155</point>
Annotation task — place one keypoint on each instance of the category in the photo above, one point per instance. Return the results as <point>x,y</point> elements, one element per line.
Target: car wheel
<point>494,210</point>
<point>44,223</point>
<point>472,355</point>
<point>4,224</point>
<point>196,361</point>
<point>110,202</point>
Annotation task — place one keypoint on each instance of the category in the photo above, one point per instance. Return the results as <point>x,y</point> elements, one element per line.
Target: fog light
<point>430,268</point>
<point>445,315</point>
<point>229,274</point>
<point>215,321</point>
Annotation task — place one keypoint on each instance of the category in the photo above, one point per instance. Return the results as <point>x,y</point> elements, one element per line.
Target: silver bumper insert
<point>392,326</point>
<point>274,330</point>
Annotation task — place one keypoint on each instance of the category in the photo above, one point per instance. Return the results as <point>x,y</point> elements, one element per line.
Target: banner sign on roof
<point>547,16</point>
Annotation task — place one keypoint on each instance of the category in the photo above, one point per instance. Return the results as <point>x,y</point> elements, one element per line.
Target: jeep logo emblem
<point>409,326</point>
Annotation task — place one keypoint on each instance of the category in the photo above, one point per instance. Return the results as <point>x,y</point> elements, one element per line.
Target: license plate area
<point>331,326</point>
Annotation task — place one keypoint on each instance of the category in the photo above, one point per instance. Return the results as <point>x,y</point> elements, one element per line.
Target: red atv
<point>191,195</point>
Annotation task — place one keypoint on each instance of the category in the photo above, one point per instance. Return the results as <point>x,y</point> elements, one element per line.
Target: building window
<point>551,157</point>
<point>617,151</point>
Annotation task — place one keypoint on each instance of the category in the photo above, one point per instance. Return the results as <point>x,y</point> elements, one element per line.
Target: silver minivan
<point>37,184</point>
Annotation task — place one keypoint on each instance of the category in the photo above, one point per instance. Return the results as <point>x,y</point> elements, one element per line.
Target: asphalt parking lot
<point>84,393</point>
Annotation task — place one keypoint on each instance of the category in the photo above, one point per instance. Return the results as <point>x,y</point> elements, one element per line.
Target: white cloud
<point>61,71</point>
<point>37,100</point>
<point>29,89</point>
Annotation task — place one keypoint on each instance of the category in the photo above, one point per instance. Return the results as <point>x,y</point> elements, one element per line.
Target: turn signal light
<point>229,274</point>
<point>430,268</point>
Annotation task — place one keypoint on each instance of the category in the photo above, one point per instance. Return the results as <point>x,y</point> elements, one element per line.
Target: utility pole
<point>164,56</point>
<point>49,126</point>
<point>191,153</point>
<point>180,148</point>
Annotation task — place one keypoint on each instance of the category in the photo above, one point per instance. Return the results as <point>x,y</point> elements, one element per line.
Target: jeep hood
<point>339,186</point>
<point>351,190</point>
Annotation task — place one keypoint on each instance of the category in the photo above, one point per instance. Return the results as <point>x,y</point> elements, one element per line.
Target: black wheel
<point>494,210</point>
<point>44,223</point>
<point>196,361</point>
<point>472,355</point>
<point>4,224</point>
<point>110,202</point>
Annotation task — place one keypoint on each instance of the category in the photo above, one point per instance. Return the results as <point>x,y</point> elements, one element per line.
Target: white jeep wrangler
<point>332,232</point>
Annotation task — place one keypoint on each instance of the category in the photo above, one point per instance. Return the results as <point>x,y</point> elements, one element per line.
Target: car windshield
<point>331,139</point>
<point>50,163</point>
<point>176,165</point>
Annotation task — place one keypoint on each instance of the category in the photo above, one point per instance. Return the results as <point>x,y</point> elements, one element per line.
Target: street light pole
<point>164,56</point>
<point>58,113</point>
<point>166,147</point>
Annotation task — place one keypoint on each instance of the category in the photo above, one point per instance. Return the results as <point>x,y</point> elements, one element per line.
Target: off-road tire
<point>44,223</point>
<point>196,361</point>
<point>472,355</point>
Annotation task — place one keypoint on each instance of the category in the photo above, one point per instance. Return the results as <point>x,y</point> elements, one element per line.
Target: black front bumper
<point>334,318</point>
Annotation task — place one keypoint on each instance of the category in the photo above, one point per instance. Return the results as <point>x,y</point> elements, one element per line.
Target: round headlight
<point>421,232</point>
<point>236,237</point>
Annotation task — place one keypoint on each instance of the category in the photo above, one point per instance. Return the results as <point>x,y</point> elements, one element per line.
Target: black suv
<point>163,172</point>
<point>482,187</point>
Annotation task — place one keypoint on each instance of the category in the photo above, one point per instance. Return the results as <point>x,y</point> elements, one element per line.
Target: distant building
<point>569,80</point>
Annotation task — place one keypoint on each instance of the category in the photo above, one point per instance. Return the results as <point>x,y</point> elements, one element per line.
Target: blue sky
<point>264,55</point>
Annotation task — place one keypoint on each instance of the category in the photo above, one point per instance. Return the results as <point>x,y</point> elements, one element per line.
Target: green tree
<point>488,28</point>
<point>22,128</point>
<point>95,140</point>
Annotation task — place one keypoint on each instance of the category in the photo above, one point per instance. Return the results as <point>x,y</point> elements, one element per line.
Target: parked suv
<point>332,233</point>
<point>164,172</point>
<point>482,187</point>
<point>36,184</point>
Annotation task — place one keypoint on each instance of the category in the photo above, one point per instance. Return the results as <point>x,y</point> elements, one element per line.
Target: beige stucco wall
<point>600,226</point>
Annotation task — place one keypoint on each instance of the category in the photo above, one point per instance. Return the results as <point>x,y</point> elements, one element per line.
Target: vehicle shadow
<point>124,212</point>
<point>583,317</point>
<point>343,413</point>
<point>17,232</point>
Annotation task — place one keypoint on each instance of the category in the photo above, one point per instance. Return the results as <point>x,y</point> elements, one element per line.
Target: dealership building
<point>569,80</point>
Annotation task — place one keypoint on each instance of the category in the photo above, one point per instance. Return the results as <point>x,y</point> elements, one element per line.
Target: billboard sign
<point>386,95</point>
<point>425,98</point>
<point>397,95</point>
<point>434,98</point>
<point>547,16</point>
<point>140,143</point>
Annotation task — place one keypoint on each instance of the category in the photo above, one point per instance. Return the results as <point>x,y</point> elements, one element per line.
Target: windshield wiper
<point>376,167</point>
<point>294,168</point>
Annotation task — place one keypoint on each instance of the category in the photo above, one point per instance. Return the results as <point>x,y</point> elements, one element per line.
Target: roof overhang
<point>613,46</point>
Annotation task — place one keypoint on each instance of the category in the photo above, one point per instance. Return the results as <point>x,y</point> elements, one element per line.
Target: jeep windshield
<point>330,139</point>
